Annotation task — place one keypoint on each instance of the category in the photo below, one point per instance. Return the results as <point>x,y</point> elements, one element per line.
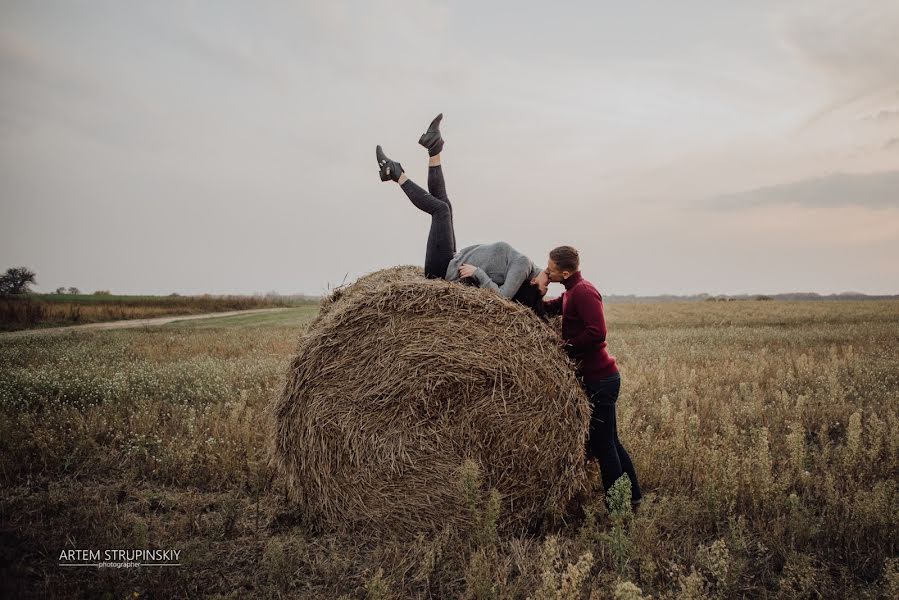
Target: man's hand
<point>467,270</point>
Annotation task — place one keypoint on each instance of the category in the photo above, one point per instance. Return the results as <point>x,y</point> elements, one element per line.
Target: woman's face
<point>542,282</point>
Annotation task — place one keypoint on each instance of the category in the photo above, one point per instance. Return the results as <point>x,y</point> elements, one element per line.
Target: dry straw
<point>400,380</point>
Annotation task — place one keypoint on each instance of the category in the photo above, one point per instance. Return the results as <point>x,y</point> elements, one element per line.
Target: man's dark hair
<point>566,258</point>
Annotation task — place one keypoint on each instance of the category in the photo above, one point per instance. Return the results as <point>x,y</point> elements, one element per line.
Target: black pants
<point>442,237</point>
<point>603,443</point>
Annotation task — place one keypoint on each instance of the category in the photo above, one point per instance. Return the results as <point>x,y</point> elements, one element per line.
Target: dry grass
<point>766,436</point>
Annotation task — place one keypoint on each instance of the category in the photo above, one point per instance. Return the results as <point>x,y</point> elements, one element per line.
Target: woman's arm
<point>519,271</point>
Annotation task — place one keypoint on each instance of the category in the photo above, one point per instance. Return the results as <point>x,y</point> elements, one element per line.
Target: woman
<point>496,266</point>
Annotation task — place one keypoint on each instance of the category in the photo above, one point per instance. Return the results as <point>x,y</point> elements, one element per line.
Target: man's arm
<point>588,304</point>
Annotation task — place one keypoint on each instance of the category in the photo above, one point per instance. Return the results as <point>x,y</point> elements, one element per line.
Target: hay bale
<point>400,380</point>
<point>367,284</point>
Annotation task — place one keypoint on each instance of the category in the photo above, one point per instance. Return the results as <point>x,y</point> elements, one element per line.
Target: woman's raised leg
<point>437,187</point>
<point>441,237</point>
<point>436,183</point>
<point>432,139</point>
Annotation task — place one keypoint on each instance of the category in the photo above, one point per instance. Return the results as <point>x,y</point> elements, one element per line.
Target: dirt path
<point>130,323</point>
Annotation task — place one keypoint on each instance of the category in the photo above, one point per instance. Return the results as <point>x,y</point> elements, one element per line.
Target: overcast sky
<point>190,147</point>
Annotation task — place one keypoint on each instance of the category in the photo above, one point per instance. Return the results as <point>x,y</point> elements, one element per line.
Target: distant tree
<point>74,290</point>
<point>17,280</point>
<point>60,290</point>
<point>102,293</point>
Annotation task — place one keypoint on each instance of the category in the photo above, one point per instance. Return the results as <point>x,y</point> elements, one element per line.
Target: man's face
<point>554,273</point>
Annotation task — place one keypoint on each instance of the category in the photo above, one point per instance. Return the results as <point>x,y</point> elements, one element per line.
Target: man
<point>584,333</point>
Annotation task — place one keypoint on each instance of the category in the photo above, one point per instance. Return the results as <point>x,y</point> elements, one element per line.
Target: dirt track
<point>130,323</point>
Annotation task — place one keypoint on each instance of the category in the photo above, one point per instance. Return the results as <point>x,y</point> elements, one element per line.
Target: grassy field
<point>765,435</point>
<point>55,310</point>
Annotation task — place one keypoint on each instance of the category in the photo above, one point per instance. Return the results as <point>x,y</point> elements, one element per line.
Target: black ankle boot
<point>431,138</point>
<point>389,169</point>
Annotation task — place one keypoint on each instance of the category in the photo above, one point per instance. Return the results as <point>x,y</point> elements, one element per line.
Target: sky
<point>229,147</point>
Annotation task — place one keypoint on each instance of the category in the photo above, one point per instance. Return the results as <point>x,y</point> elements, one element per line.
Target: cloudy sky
<point>697,146</point>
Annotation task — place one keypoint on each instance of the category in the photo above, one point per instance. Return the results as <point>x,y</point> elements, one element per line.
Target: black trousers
<point>603,443</point>
<point>441,237</point>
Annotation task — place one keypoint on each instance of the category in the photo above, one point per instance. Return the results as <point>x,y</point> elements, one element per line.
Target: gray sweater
<point>500,267</point>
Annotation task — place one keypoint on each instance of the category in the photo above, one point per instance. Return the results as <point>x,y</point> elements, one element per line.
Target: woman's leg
<point>441,238</point>
<point>436,183</point>
<point>437,187</point>
<point>433,141</point>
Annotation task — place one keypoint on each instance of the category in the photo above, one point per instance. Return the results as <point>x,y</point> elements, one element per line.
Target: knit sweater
<point>584,328</point>
<point>500,267</point>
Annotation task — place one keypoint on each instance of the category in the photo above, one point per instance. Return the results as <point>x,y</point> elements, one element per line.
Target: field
<point>54,310</point>
<point>765,435</point>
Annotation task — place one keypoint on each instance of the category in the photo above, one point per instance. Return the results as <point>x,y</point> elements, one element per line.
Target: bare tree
<point>17,280</point>
<point>74,290</point>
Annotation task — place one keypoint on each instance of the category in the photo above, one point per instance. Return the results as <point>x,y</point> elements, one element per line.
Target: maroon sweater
<point>584,328</point>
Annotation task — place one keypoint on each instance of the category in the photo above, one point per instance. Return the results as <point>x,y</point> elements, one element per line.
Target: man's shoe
<point>389,169</point>
<point>431,138</point>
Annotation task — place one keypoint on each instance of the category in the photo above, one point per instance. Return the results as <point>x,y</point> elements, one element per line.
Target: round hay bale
<point>366,285</point>
<point>400,381</point>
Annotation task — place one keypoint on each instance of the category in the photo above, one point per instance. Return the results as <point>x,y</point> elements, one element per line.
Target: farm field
<point>765,435</point>
<point>30,311</point>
